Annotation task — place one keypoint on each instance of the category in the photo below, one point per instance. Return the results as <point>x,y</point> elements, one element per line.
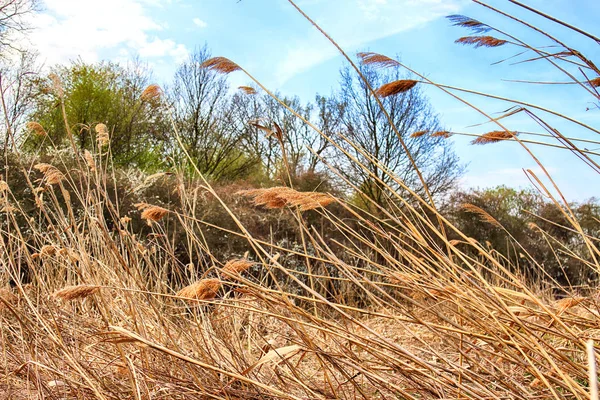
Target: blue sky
<point>272,41</point>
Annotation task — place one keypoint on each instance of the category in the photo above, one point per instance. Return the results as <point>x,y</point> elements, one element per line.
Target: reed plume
<point>89,159</point>
<point>568,302</point>
<point>48,250</point>
<point>444,134</point>
<point>280,196</point>
<point>153,213</point>
<point>36,128</point>
<point>151,93</point>
<point>494,137</point>
<point>419,134</point>
<point>237,266</point>
<point>378,60</point>
<point>481,41</point>
<point>76,292</point>
<point>396,87</point>
<point>469,23</point>
<point>247,89</point>
<point>595,82</point>
<point>57,85</point>
<point>205,289</point>
<point>481,213</point>
<point>221,64</point>
<point>52,175</point>
<point>102,136</point>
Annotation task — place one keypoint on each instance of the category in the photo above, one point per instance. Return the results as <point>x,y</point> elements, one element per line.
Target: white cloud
<point>69,29</point>
<point>199,23</point>
<point>355,23</point>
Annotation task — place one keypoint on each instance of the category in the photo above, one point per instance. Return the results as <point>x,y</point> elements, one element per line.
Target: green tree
<point>103,93</point>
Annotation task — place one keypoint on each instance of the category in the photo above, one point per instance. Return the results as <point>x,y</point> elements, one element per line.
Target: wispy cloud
<point>199,23</point>
<point>354,24</point>
<point>69,29</point>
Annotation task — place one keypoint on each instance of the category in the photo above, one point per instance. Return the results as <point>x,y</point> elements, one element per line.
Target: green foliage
<point>102,93</point>
<point>532,228</point>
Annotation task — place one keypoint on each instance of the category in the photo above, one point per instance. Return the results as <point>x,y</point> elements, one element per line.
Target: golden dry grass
<point>392,310</point>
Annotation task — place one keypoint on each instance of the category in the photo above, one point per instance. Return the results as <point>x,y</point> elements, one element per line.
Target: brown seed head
<point>47,250</point>
<point>151,93</point>
<point>494,136</point>
<point>89,159</point>
<point>470,23</point>
<point>378,60</point>
<point>76,292</point>
<point>444,134</point>
<point>393,88</point>
<point>206,289</point>
<point>419,134</point>
<point>279,197</point>
<point>57,85</point>
<point>52,175</point>
<point>481,213</point>
<point>237,266</point>
<point>568,302</point>
<point>102,136</point>
<point>595,82</point>
<point>221,64</point>
<point>154,213</point>
<point>247,89</point>
<point>36,128</point>
<point>481,41</point>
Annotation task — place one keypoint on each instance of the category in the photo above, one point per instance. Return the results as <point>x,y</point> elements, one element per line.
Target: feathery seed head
<point>279,197</point>
<point>102,136</point>
<point>52,175</point>
<point>470,23</point>
<point>36,128</point>
<point>481,213</point>
<point>393,88</point>
<point>247,89</point>
<point>151,93</point>
<point>89,159</point>
<point>494,136</point>
<point>76,292</point>
<point>237,266</point>
<point>419,134</point>
<point>154,213</point>
<point>481,41</point>
<point>57,85</point>
<point>221,64</point>
<point>378,60</point>
<point>443,134</point>
<point>205,289</point>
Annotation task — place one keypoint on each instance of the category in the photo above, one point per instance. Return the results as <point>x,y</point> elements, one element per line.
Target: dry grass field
<point>387,307</point>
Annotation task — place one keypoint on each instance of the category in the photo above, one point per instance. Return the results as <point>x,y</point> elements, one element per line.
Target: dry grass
<point>391,309</point>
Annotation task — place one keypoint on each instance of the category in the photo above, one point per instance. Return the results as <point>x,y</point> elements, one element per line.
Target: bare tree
<point>18,93</point>
<point>13,22</point>
<point>366,126</point>
<point>205,115</point>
